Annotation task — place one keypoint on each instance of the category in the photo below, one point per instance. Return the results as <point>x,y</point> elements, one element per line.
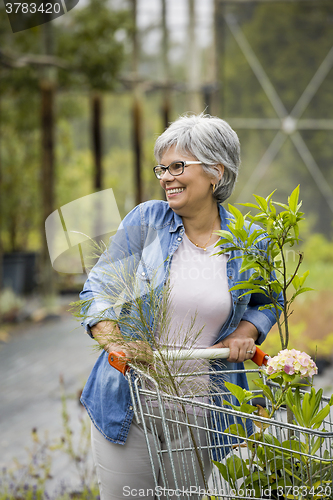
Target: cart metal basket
<point>205,449</point>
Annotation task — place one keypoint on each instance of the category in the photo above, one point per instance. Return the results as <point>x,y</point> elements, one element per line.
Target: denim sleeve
<point>105,289</point>
<point>263,320</point>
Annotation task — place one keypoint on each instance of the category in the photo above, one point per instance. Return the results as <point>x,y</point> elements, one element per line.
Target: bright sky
<point>149,12</point>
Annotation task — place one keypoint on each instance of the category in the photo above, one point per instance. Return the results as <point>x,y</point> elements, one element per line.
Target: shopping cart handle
<point>119,361</point>
<point>260,358</point>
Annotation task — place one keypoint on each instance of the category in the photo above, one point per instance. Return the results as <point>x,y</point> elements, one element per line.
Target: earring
<point>214,188</point>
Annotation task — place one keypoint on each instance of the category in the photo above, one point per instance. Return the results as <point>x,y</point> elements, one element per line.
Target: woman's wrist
<point>247,329</point>
<point>107,334</point>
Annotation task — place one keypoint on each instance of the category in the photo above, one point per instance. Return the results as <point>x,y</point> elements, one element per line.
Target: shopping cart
<point>203,448</point>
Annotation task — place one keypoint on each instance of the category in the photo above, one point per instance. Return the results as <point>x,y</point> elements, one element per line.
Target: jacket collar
<point>176,223</point>
<point>224,216</point>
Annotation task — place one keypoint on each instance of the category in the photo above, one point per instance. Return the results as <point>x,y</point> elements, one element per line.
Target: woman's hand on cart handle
<point>260,358</point>
<point>241,342</point>
<point>108,335</point>
<point>136,350</point>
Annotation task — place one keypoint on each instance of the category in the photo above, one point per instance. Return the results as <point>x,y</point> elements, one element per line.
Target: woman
<point>198,158</point>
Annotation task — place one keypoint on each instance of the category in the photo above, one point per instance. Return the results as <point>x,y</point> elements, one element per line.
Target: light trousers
<point>125,471</point>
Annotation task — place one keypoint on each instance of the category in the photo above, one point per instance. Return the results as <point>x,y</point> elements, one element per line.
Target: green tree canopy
<point>91,42</point>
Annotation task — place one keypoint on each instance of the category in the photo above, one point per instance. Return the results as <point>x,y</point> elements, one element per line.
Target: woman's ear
<point>220,170</point>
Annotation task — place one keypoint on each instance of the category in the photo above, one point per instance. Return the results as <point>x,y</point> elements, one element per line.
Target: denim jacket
<point>146,241</point>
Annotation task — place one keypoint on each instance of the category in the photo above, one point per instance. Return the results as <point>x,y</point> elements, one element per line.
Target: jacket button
<point>131,407</point>
<point>143,273</point>
<point>179,239</point>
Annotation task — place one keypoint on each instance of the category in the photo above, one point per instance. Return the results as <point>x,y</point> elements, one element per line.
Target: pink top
<point>199,290</point>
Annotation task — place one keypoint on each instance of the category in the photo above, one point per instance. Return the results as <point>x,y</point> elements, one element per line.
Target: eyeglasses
<point>175,168</point>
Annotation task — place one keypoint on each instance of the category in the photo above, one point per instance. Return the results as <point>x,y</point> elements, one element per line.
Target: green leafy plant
<point>287,461</point>
<point>291,460</point>
<point>271,277</point>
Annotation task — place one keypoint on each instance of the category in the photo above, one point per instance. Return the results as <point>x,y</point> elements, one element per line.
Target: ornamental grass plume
<point>292,362</point>
<point>142,310</point>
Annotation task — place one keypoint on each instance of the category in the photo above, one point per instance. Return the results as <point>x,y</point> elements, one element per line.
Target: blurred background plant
<point>312,318</point>
<point>34,479</point>
<point>10,305</point>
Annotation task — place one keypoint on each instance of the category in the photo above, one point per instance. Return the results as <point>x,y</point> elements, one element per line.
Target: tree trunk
<point>136,111</point>
<point>166,68</point>
<point>137,146</point>
<point>96,108</point>
<point>193,71</point>
<point>217,102</point>
<point>47,88</point>
<point>1,213</point>
<point>47,179</point>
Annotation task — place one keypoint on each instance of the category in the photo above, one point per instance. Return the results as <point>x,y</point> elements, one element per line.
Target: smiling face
<point>190,192</point>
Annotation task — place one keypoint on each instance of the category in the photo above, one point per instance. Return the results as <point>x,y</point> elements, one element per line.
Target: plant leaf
<point>226,235</point>
<point>293,200</point>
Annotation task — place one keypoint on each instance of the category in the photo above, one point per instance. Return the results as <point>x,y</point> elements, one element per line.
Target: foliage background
<point>290,39</point>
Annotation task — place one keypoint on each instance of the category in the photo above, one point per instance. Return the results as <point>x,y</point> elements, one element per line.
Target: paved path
<point>30,395</point>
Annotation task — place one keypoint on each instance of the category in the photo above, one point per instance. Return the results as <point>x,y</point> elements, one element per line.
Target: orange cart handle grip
<point>260,358</point>
<point>119,361</point>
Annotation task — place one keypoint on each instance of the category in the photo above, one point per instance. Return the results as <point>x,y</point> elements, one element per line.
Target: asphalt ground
<point>32,362</point>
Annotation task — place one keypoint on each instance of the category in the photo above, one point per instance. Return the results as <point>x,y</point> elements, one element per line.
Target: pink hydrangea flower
<point>292,362</point>
<point>289,369</point>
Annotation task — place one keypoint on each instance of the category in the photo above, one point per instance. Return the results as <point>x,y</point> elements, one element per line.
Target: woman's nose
<point>167,176</point>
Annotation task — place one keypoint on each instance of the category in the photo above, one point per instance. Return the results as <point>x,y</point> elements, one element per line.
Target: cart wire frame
<point>298,461</point>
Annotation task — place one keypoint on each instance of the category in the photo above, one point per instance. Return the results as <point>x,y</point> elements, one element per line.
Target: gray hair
<point>209,139</point>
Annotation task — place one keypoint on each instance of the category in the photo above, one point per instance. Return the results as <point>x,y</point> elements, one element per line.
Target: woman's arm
<point>108,336</point>
<point>112,273</point>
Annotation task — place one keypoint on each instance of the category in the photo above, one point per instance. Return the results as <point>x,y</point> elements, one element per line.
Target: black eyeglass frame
<point>184,164</point>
